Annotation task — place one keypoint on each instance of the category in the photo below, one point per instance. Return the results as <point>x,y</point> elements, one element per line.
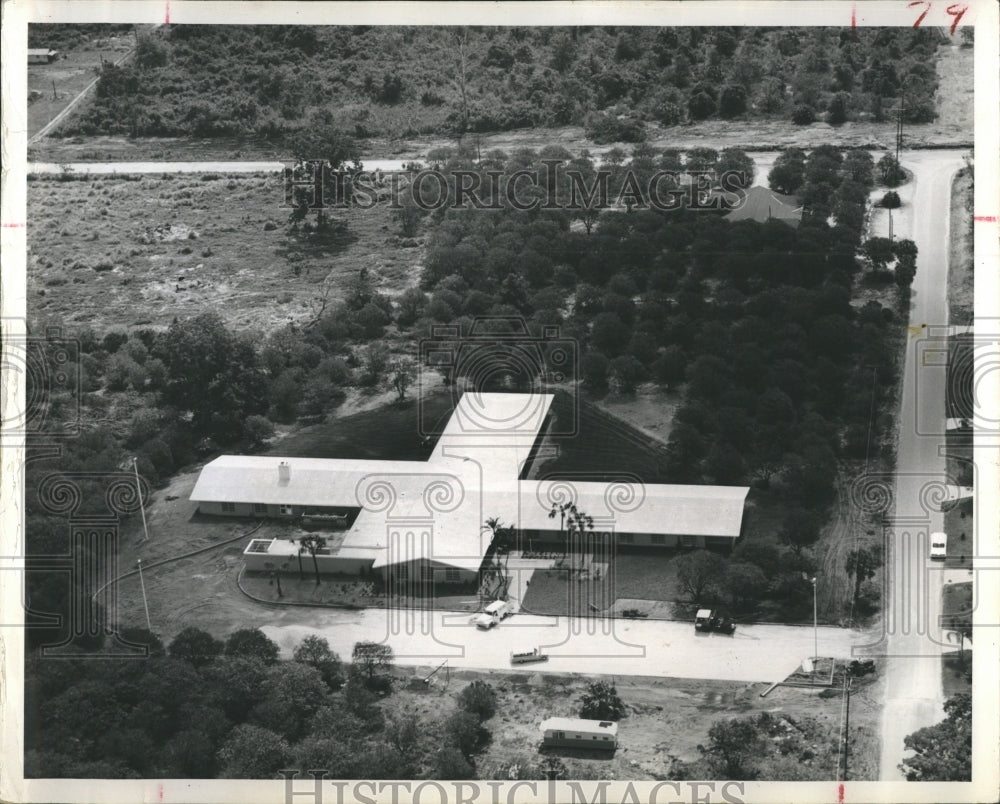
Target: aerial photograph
<point>498,402</point>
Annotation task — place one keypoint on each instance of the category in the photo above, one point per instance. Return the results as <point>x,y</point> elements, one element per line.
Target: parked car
<point>492,615</point>
<point>939,546</point>
<point>861,667</point>
<point>713,620</point>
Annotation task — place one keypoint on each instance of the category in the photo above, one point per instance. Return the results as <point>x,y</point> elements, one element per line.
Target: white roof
<point>434,510</point>
<point>638,507</point>
<point>578,724</point>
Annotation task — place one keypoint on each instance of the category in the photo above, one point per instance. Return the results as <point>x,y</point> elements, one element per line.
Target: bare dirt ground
<point>667,718</point>
<point>650,410</point>
<point>115,253</point>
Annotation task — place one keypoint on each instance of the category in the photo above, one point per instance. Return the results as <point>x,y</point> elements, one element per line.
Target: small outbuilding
<point>571,732</point>
<point>41,55</point>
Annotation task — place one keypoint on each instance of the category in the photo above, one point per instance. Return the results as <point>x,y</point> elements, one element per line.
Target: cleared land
<point>117,252</point>
<point>961,281</point>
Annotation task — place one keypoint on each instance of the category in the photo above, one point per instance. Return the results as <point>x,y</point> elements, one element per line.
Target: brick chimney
<point>284,473</point>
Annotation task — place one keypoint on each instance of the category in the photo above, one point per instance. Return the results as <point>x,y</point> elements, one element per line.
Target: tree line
<point>273,83</point>
<point>205,708</point>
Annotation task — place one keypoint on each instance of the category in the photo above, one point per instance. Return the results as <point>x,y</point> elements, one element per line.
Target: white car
<point>939,546</point>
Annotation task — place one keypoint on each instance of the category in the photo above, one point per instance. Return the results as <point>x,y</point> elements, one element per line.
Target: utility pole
<point>145,604</point>
<point>138,491</point>
<point>847,722</point>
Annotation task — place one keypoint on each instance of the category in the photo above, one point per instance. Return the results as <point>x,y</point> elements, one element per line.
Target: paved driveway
<point>621,647</point>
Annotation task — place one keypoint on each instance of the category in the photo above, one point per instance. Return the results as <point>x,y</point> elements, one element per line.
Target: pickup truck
<point>713,620</point>
<point>492,615</point>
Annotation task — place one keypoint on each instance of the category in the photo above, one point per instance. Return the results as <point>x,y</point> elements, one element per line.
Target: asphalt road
<point>913,642</point>
<point>756,653</point>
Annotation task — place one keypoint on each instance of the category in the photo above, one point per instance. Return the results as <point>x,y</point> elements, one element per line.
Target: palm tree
<point>571,520</point>
<point>501,541</point>
<point>313,544</point>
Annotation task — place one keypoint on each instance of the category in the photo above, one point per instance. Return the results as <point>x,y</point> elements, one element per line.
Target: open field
<point>119,252</point>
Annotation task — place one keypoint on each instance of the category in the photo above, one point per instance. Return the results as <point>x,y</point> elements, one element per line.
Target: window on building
<point>626,538</point>
<point>229,508</point>
<point>259,508</point>
<point>426,573</point>
<point>286,510</point>
<point>688,541</point>
<point>402,572</point>
<point>659,539</point>
<point>452,575</point>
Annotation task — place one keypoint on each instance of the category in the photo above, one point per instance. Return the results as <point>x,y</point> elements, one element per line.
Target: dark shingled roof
<point>762,204</point>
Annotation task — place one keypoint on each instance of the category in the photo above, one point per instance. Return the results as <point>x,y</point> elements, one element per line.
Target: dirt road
<point>913,640</point>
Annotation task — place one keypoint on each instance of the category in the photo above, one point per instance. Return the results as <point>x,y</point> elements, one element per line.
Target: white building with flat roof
<point>424,519</point>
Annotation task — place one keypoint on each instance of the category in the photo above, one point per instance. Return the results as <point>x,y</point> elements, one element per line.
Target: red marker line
<point>166,18</point>
<point>14,225</point>
<point>840,794</point>
<point>979,218</point>
<point>854,22</point>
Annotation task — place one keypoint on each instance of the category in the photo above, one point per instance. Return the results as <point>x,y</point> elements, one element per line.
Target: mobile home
<point>569,732</point>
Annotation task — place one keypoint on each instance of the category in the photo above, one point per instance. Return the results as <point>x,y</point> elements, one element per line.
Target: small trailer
<point>528,657</point>
<point>571,732</point>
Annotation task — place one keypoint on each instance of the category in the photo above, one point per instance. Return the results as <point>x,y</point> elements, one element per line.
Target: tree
<point>788,172</point>
<point>943,752</point>
<point>800,529</point>
<point>610,334</point>
<point>312,544</point>
<point>738,164</point>
<point>745,583</point>
<point>890,171</point>
<point>594,368</point>
<point>732,101</point>
<point>213,374</point>
<point>502,542</point>
<point>315,652</point>
<point>195,646</point>
<point>836,112</point>
<point>670,367</point>
<point>252,752</point>
<point>258,429</point>
<point>698,572</point>
<point>571,520</point>
<point>291,694</point>
<point>449,763</point>
<point>479,699</point>
<point>465,731</point>
<point>403,374</point>
<point>862,564</point>
<point>371,660</point>
<point>891,200</point>
<point>374,359</point>
<point>879,251</point>
<point>601,702</point>
<point>803,115</point>
<point>733,749</point>
<point>628,373</point>
<point>253,644</point>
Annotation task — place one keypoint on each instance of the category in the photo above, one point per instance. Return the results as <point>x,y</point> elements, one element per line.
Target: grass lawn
<point>958,524</point>
<point>957,604</point>
<point>390,432</point>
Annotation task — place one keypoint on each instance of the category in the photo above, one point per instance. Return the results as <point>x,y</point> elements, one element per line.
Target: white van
<point>493,614</point>
<point>939,546</point>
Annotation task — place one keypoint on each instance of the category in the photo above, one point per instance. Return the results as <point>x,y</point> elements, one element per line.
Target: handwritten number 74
<point>956,10</point>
